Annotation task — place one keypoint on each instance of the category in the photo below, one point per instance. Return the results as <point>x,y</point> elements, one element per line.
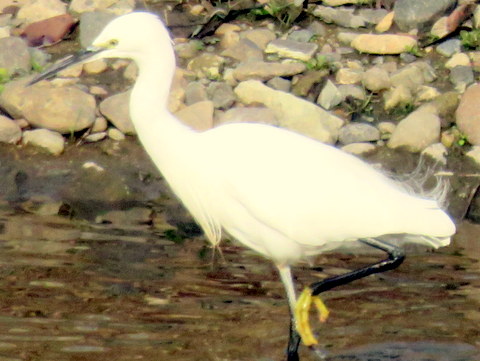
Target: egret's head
<point>138,36</point>
<point>130,36</point>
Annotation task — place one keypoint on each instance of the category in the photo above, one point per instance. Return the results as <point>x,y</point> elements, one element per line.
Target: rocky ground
<point>385,80</point>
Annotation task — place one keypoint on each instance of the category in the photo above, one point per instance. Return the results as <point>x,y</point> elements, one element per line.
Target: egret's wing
<point>315,193</point>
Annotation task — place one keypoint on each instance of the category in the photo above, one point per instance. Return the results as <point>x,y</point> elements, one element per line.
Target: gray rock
<point>90,25</point>
<point>358,148</point>
<point>341,16</point>
<point>198,116</point>
<point>476,17</point>
<point>397,96</point>
<point>189,49</point>
<point>468,114</point>
<point>407,58</point>
<point>228,34</point>
<point>14,55</point>
<point>449,47</point>
<point>249,115</point>
<point>115,134</point>
<point>63,109</point>
<point>386,129</point>
<point>48,140</point>
<point>330,96</point>
<point>331,56</point>
<point>426,93</point>
<point>372,16</point>
<point>244,50</point>
<point>278,83</point>
<point>221,94</point>
<point>444,105</point>
<point>413,76</point>
<point>376,79</point>
<point>116,110</point>
<point>346,38</point>
<point>358,133</point>
<point>428,73</point>
<point>348,76</point>
<point>416,132</point>
<point>317,28</point>
<point>265,71</point>
<point>442,27</point>
<point>261,37</point>
<point>475,60</point>
<point>95,137</point>
<point>6,19</point>
<point>38,57</point>
<point>302,36</point>
<point>458,59</point>
<point>195,92</point>
<point>419,14</point>
<point>474,154</point>
<point>292,49</point>
<point>10,132</point>
<point>292,112</point>
<point>95,67</point>
<point>461,76</point>
<point>115,7</point>
<point>307,80</point>
<point>35,10</point>
<point>438,152</point>
<point>99,125</point>
<point>350,90</point>
<point>176,97</point>
<point>207,66</point>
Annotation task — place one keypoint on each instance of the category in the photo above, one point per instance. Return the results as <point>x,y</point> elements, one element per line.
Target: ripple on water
<point>71,290</point>
<point>410,351</point>
<point>83,348</point>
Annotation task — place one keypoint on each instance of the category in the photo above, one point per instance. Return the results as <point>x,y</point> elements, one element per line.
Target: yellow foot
<point>302,309</point>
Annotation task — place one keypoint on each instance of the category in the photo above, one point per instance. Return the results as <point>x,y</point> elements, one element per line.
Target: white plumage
<point>282,194</point>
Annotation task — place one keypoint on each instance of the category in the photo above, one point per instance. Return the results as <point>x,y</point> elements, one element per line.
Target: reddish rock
<point>48,31</point>
<point>11,9</point>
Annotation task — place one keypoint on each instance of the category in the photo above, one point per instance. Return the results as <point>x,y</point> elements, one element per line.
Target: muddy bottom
<point>72,290</point>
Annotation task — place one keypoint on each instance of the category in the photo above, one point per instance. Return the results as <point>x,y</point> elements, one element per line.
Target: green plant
<point>403,109</point>
<point>431,38</point>
<point>320,62</point>
<point>462,140</point>
<point>359,106</point>
<point>4,76</point>
<point>415,50</point>
<point>260,12</point>
<point>36,66</point>
<point>283,10</point>
<point>199,45</point>
<point>470,39</point>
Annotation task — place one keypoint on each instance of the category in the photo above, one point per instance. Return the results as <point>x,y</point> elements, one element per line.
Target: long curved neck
<point>159,131</point>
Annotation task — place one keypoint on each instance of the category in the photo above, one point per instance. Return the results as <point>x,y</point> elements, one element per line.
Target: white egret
<point>280,193</point>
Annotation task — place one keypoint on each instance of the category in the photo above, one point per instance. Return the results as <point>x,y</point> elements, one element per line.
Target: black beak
<point>65,63</point>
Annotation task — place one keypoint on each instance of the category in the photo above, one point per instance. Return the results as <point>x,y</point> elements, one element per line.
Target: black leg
<point>395,258</point>
<point>293,342</point>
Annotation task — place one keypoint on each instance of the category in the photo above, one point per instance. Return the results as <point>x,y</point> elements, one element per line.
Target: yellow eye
<point>113,42</point>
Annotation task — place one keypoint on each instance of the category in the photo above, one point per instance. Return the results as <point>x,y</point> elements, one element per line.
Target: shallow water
<point>73,290</point>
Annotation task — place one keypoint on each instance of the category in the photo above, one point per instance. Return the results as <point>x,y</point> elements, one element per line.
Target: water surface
<point>72,290</point>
